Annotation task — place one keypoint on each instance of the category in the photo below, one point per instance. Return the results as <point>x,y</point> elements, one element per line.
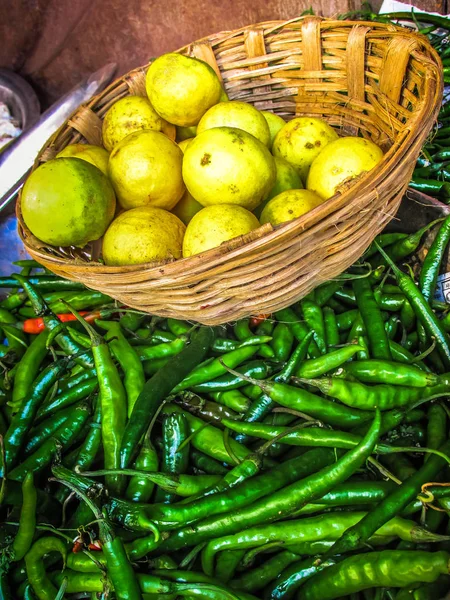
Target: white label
<point>443,288</point>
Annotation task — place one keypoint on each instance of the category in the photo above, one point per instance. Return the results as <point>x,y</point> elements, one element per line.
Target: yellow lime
<point>289,205</point>
<point>142,235</point>
<point>287,179</point>
<point>275,123</point>
<point>67,202</point>
<point>181,89</point>
<point>145,169</point>
<point>131,114</point>
<point>301,140</point>
<point>96,155</point>
<point>184,144</point>
<point>236,114</point>
<point>216,224</point>
<point>225,165</point>
<point>223,96</point>
<point>186,208</point>
<point>339,162</point>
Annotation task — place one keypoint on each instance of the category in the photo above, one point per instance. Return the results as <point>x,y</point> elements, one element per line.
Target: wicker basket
<point>371,79</point>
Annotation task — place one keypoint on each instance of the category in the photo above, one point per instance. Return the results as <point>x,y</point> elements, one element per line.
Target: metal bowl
<point>20,98</point>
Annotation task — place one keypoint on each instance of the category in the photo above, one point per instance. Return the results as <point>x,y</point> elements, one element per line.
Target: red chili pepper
<point>95,546</point>
<point>35,326</point>
<point>255,321</point>
<point>77,546</point>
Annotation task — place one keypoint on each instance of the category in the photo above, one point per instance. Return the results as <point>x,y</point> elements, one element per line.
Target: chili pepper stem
<point>96,339</point>
<point>263,385</point>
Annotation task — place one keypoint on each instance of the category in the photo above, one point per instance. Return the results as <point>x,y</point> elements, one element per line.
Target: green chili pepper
<point>258,369</point>
<point>208,439</point>
<point>263,403</point>
<point>16,339</point>
<point>436,427</point>
<point>282,341</point>
<point>227,563</point>
<point>39,434</point>
<point>331,327</point>
<point>215,368</point>
<point>91,445</point>
<point>234,399</point>
<point>389,372</point>
<point>400,465</point>
<point>157,389</point>
<point>315,406</point>
<point>28,368</point>
<point>140,489</point>
<point>207,464</point>
<point>373,322</point>
<point>388,568</point>
<point>113,402</point>
<point>174,459</point>
<point>126,356</point>
<point>27,525</point>
<point>382,396</point>
<point>432,262</point>
<point>206,410</point>
<point>326,291</point>
<point>164,350</point>
<point>312,313</point>
<point>36,573</point>
<point>327,363</point>
<point>299,329</point>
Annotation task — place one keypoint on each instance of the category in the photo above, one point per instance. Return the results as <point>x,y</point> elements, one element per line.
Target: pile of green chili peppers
<point>303,454</point>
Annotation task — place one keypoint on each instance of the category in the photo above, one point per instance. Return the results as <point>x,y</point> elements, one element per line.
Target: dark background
<point>54,43</point>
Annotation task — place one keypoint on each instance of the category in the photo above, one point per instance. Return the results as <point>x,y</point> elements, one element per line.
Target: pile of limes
<point>234,167</point>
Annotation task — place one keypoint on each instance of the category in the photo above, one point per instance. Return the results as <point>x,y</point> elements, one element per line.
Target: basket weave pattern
<point>368,79</point>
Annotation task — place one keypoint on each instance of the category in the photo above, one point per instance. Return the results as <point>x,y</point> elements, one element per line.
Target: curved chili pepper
<point>260,486</point>
<point>36,573</point>
<point>281,503</point>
